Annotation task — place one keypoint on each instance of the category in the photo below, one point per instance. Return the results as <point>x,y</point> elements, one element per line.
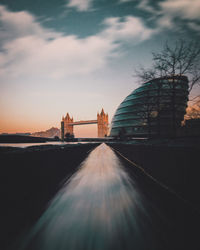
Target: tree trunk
<point>158,108</point>
<point>173,109</point>
<point>148,115</point>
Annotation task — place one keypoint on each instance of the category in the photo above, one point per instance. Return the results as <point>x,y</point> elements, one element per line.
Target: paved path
<point>107,204</point>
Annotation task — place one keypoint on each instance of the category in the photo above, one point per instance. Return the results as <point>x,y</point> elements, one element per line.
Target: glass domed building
<point>157,108</point>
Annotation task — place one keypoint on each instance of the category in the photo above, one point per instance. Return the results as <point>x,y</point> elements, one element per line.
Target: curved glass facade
<point>155,108</point>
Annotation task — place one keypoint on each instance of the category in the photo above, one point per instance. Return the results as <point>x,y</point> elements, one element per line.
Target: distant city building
<point>154,109</point>
<point>49,133</point>
<point>68,123</point>
<point>23,133</point>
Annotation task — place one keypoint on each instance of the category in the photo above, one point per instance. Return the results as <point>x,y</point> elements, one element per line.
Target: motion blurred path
<point>102,208</point>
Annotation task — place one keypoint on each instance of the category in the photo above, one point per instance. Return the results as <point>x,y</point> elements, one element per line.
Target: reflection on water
<point>30,144</point>
<point>97,209</point>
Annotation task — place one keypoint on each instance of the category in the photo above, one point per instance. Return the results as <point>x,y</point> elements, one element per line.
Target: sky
<point>79,56</point>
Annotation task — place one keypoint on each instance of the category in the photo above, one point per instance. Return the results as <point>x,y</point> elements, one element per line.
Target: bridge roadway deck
<point>83,122</point>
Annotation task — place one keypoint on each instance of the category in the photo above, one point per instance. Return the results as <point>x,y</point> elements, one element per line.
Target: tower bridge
<point>68,123</point>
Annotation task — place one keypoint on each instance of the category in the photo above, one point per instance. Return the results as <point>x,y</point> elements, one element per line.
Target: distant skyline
<point>79,56</point>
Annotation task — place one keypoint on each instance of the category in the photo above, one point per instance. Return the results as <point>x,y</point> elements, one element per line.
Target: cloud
<point>27,48</point>
<point>80,5</point>
<point>30,50</point>
<point>21,24</point>
<point>165,21</point>
<point>125,1</point>
<point>194,26</point>
<point>67,55</point>
<point>141,4</point>
<point>167,12</point>
<point>144,5</point>
<point>129,29</point>
<point>185,9</point>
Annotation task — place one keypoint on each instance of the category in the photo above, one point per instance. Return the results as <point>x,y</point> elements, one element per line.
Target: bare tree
<point>148,113</point>
<point>181,59</point>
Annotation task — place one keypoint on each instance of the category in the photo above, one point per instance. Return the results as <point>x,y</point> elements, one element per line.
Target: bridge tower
<point>102,123</point>
<point>66,127</point>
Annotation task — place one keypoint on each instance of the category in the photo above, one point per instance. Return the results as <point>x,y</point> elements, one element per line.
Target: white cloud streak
<point>194,26</point>
<point>185,9</point>
<point>28,49</point>
<point>80,5</point>
<point>130,29</point>
<point>125,1</point>
<point>21,24</point>
<point>182,9</point>
<point>166,12</point>
<point>144,5</point>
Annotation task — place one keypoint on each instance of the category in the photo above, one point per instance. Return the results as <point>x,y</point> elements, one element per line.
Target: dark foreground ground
<point>177,168</point>
<point>22,139</point>
<point>30,178</point>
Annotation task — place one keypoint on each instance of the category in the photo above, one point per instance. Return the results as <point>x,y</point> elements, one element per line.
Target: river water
<point>27,144</point>
<point>98,208</point>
